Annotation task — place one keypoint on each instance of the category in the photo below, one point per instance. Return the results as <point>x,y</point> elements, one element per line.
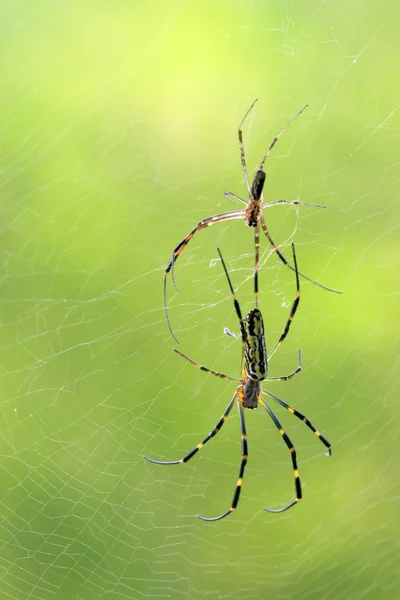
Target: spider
<point>252,215</point>
<point>249,392</point>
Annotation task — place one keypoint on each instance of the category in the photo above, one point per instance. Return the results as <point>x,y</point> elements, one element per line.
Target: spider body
<point>252,214</point>
<point>249,393</point>
<point>255,352</point>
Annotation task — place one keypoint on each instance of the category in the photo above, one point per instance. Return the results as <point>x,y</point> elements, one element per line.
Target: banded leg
<point>236,495</point>
<point>287,377</point>
<point>221,218</point>
<point>257,259</point>
<point>208,437</point>
<point>276,138</point>
<point>286,439</point>
<point>285,262</point>
<point>303,418</point>
<point>205,369</point>
<point>257,233</point>
<point>235,300</point>
<point>242,156</point>
<point>292,310</point>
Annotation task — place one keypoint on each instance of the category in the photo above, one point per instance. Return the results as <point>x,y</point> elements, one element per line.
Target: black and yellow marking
<point>302,417</point>
<point>205,369</point>
<point>255,352</point>
<point>287,377</point>
<point>245,455</point>
<point>292,450</point>
<point>248,393</point>
<point>235,300</point>
<point>255,358</point>
<point>208,437</point>
<point>294,305</point>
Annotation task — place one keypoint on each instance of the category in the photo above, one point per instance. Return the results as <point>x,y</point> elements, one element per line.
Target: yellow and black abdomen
<point>255,354</point>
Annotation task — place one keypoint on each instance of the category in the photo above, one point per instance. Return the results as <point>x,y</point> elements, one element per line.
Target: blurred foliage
<point>118,134</point>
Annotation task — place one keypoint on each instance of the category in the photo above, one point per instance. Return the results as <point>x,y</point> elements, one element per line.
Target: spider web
<point>118,135</point>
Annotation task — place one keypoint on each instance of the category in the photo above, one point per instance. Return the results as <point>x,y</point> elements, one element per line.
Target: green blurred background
<point>118,133</point>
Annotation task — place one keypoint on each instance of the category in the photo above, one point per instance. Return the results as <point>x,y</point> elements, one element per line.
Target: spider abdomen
<point>255,353</point>
<point>258,184</point>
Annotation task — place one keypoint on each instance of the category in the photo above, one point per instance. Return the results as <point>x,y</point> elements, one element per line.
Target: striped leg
<point>236,495</point>
<point>292,310</point>
<point>208,437</point>
<point>221,218</point>
<point>205,369</point>
<point>287,377</point>
<point>286,439</point>
<point>300,416</point>
<point>257,259</point>
<point>285,262</point>
<point>235,300</point>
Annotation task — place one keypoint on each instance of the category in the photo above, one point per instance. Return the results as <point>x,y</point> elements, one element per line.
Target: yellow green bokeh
<point>118,134</point>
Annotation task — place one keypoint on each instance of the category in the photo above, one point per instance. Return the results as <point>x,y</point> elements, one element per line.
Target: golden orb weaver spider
<point>249,392</point>
<point>252,215</point>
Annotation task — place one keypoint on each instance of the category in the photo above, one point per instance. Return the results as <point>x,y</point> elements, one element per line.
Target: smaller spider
<point>252,214</point>
<point>249,392</point>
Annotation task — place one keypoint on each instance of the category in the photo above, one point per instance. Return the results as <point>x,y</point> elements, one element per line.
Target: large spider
<point>249,392</point>
<point>252,215</point>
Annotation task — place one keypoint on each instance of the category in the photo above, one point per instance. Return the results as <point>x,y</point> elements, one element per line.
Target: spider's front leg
<point>221,218</point>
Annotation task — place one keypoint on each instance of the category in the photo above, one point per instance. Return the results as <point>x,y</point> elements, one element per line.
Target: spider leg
<point>289,444</point>
<point>276,138</point>
<point>235,300</point>
<point>205,369</point>
<point>242,156</point>
<point>257,259</point>
<point>236,495</point>
<point>229,195</point>
<point>208,437</point>
<point>292,202</point>
<point>300,416</point>
<point>238,312</point>
<point>287,377</point>
<point>292,310</point>
<point>285,262</point>
<point>221,218</point>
